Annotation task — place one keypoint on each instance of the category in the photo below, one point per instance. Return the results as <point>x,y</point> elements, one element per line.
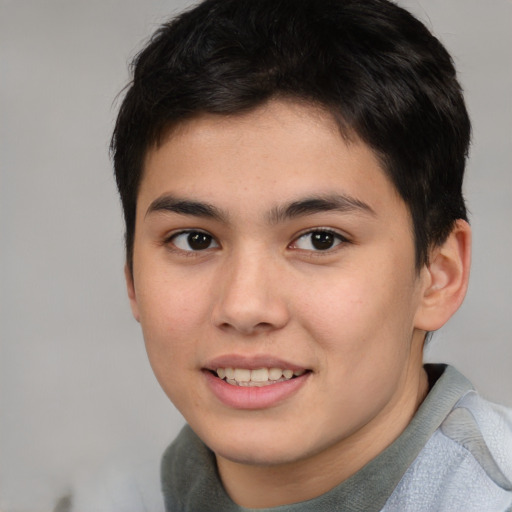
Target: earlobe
<point>446,279</point>
<point>130,287</point>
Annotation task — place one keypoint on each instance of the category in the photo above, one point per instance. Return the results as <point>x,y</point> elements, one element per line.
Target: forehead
<point>279,151</point>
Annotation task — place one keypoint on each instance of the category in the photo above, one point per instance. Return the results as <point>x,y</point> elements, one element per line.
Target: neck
<point>255,486</point>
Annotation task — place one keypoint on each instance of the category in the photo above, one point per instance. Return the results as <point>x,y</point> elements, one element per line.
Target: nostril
<point>263,325</point>
<point>247,328</point>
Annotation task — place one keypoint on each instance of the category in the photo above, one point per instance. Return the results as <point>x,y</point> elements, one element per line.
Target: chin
<point>259,448</point>
<point>257,456</point>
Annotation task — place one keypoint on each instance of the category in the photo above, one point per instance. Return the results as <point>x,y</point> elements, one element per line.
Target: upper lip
<point>251,362</point>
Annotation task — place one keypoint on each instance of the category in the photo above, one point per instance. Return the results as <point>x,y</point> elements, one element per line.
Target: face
<point>274,278</point>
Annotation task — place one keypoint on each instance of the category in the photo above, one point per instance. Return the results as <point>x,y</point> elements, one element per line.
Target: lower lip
<point>241,397</point>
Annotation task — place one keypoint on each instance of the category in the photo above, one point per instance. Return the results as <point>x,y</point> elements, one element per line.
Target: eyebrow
<point>169,203</point>
<point>318,204</point>
<point>302,207</point>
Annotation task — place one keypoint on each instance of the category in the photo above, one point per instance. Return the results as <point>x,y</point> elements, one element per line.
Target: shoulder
<point>484,430</point>
<point>465,465</point>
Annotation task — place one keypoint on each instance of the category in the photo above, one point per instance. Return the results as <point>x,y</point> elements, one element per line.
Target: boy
<point>291,173</point>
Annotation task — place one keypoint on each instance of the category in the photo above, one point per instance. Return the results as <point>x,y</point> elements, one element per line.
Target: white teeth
<point>242,375</point>
<point>275,373</point>
<point>258,377</point>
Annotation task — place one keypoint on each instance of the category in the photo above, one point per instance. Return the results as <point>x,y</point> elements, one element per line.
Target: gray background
<point>76,390</point>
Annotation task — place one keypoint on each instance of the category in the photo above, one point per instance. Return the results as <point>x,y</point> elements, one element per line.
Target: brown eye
<point>194,241</point>
<point>318,240</point>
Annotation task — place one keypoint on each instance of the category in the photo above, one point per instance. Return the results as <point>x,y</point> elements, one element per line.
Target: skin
<point>354,315</point>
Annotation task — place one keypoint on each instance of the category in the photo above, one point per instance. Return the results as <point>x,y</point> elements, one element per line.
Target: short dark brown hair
<point>376,68</point>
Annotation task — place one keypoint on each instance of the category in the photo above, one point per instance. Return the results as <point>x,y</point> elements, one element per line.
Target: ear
<point>130,287</point>
<point>445,279</point>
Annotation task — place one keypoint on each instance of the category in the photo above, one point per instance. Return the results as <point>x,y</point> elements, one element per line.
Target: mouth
<point>252,383</point>
<point>259,377</point>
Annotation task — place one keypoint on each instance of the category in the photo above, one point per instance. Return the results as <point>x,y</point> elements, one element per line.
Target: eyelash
<point>170,241</point>
<point>337,237</point>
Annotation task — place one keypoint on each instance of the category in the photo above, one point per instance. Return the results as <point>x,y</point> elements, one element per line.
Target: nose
<point>251,298</point>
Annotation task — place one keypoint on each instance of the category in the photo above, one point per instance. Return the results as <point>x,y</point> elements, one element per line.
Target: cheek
<point>358,311</point>
<point>173,321</point>
<point>172,315</point>
<point>361,330</point>
<point>340,305</point>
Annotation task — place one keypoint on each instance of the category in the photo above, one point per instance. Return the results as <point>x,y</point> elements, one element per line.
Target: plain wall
<point>76,390</point>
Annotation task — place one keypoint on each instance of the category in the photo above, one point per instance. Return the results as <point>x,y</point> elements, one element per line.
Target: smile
<point>254,382</point>
<point>257,378</point>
